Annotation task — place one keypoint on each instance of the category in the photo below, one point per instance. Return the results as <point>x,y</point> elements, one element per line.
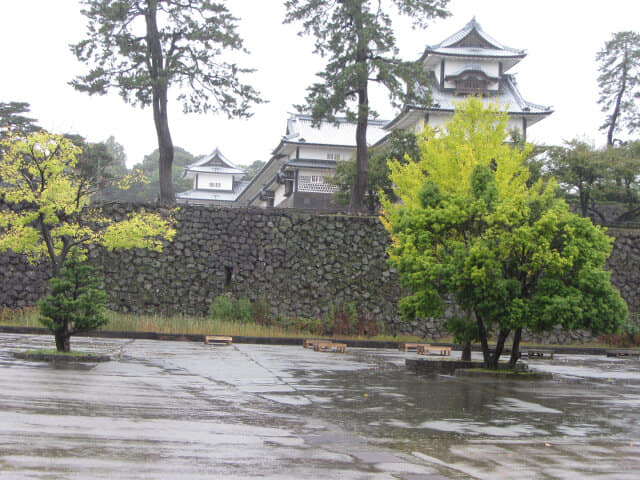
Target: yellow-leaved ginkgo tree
<point>48,207</point>
<point>46,211</point>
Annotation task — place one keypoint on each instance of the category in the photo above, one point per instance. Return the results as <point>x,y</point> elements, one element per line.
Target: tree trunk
<point>63,341</point>
<point>515,348</point>
<point>466,352</point>
<point>482,335</point>
<point>356,202</point>
<point>159,103</point>
<point>493,360</point>
<point>616,109</point>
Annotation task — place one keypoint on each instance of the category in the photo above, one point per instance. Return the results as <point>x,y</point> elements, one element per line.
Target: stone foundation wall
<point>304,264</point>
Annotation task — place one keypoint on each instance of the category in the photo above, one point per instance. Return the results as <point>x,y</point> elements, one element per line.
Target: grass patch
<point>53,351</point>
<point>188,324</point>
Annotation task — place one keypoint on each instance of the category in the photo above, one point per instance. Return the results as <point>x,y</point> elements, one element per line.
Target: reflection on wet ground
<point>170,409</point>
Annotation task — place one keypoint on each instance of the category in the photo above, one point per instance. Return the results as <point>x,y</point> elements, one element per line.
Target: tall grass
<point>186,324</point>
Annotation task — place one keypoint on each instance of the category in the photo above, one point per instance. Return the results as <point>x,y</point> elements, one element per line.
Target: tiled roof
<point>300,130</point>
<point>508,96</point>
<point>201,165</point>
<point>489,48</point>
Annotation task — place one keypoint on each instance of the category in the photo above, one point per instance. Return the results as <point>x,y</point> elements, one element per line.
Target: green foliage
<point>469,227</point>
<point>593,175</point>
<point>75,304</point>
<point>225,307</point>
<point>148,192</point>
<point>358,39</point>
<point>400,145</point>
<point>579,168</point>
<point>619,82</point>
<point>50,205</point>
<point>102,164</point>
<point>253,169</point>
<point>12,122</point>
<point>183,46</point>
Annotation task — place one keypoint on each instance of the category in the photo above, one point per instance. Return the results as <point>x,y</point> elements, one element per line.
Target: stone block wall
<point>302,263</point>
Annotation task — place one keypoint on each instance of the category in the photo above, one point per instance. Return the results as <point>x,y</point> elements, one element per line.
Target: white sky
<point>560,36</point>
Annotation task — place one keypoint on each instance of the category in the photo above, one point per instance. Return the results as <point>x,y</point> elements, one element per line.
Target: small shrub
<point>222,308</point>
<point>261,312</point>
<point>242,310</point>
<point>629,335</point>
<point>225,307</point>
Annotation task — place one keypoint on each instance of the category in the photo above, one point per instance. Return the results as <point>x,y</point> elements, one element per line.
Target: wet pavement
<point>166,410</point>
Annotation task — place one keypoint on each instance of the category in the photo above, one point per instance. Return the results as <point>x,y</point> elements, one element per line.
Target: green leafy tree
<point>469,227</point>
<point>253,169</point>
<point>49,209</point>
<point>142,47</point>
<point>97,163</point>
<point>619,79</point>
<point>358,38</point>
<point>76,303</point>
<point>581,170</point>
<point>400,145</point>
<point>149,191</point>
<point>624,173</point>
<point>13,122</point>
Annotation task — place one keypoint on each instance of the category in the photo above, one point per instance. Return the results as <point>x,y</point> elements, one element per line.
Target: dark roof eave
<point>451,110</point>
<point>428,51</point>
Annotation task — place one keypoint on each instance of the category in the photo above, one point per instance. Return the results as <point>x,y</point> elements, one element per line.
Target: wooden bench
<point>623,353</point>
<point>310,342</point>
<point>405,347</point>
<point>426,349</point>
<point>538,353</point>
<point>329,347</point>
<point>217,339</point>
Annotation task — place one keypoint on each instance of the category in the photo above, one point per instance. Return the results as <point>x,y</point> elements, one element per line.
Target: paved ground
<point>186,410</point>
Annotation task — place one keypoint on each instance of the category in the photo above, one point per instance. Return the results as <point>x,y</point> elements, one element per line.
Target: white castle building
<point>216,181</point>
<point>469,62</point>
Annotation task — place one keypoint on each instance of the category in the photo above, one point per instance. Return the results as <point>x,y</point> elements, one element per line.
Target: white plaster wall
<point>204,180</point>
<point>279,196</point>
<point>320,153</point>
<point>452,66</point>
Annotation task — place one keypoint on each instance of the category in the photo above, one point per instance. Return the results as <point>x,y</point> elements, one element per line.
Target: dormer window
<point>471,80</point>
<point>471,85</point>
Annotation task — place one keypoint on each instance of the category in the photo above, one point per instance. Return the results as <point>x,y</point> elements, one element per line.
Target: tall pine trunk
<point>159,104</point>
<point>621,91</point>
<point>356,202</point>
<point>359,189</point>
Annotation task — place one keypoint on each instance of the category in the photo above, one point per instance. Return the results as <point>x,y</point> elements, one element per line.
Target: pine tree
<point>75,304</point>
<point>180,45</point>
<point>618,82</point>
<point>358,38</point>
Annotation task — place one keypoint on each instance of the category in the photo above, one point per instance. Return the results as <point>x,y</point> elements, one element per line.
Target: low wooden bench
<point>623,353</point>
<point>217,339</point>
<point>330,347</point>
<point>539,353</point>
<point>405,347</point>
<point>426,349</point>
<point>310,342</point>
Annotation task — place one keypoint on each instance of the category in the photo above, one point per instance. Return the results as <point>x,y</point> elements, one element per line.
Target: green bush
<point>222,308</point>
<point>225,307</point>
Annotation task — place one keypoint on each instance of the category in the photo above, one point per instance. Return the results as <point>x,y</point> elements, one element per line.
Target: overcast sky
<point>560,36</point>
